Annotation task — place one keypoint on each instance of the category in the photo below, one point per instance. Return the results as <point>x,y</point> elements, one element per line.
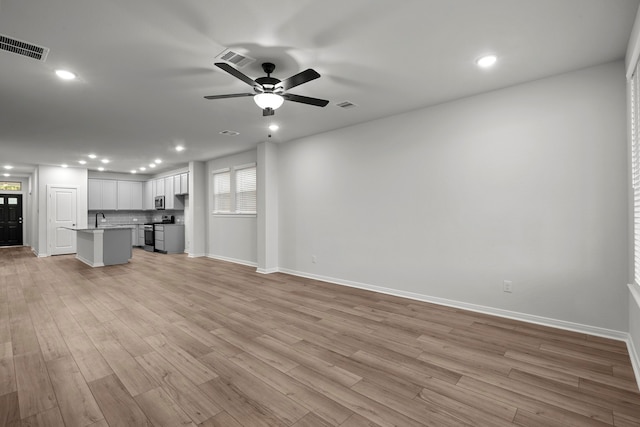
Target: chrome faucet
<point>99,213</point>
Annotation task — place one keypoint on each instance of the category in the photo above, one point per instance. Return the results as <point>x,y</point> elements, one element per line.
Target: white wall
<point>232,238</point>
<point>195,211</point>
<point>51,175</point>
<point>525,184</point>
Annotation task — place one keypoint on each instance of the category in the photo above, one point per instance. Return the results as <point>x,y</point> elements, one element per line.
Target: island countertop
<point>102,246</point>
<point>103,228</point>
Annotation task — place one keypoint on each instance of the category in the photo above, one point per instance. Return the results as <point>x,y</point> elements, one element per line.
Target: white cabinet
<point>159,186</point>
<point>181,184</point>
<point>171,201</point>
<point>102,194</point>
<point>109,195</point>
<point>168,189</point>
<point>136,195</point>
<point>149,194</point>
<point>95,194</point>
<point>141,235</point>
<point>129,195</point>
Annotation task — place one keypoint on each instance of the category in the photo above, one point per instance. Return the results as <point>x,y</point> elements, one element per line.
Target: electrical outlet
<point>314,259</point>
<point>507,286</point>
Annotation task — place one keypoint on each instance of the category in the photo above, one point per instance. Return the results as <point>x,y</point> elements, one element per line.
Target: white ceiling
<point>145,65</point>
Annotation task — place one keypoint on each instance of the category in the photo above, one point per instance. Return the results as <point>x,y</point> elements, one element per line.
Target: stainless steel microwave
<point>159,201</point>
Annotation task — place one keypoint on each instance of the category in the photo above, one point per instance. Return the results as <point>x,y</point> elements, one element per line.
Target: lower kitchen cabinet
<point>141,235</point>
<point>169,238</point>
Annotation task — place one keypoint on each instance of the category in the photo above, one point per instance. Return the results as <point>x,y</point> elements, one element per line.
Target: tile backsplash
<point>133,217</point>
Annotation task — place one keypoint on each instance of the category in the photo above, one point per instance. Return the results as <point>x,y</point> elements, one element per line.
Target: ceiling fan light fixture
<point>268,100</point>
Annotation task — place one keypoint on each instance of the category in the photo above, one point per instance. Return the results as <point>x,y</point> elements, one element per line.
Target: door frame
<point>22,215</point>
<point>50,229</point>
<point>25,183</point>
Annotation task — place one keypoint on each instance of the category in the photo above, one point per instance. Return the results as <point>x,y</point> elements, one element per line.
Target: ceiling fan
<point>269,92</point>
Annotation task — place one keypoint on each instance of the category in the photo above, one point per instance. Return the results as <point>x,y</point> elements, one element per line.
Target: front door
<point>62,216</point>
<point>10,219</point>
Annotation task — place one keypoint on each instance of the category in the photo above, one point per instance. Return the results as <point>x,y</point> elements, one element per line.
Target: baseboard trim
<point>233,260</point>
<point>529,318</point>
<point>267,270</point>
<point>89,263</point>
<point>38,255</point>
<point>634,293</point>
<point>635,360</point>
<point>190,255</point>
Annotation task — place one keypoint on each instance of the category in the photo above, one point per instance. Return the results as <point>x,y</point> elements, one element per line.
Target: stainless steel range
<point>149,232</point>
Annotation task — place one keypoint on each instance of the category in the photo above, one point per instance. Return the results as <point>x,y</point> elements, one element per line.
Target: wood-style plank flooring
<point>169,341</point>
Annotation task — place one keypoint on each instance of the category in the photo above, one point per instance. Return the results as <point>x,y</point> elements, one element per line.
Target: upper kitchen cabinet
<point>129,195</point>
<point>149,194</point>
<point>181,184</point>
<point>168,186</point>
<point>160,190</point>
<point>102,194</point>
<point>170,199</point>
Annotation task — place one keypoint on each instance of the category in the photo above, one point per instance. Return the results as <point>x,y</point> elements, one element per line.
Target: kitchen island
<point>102,246</point>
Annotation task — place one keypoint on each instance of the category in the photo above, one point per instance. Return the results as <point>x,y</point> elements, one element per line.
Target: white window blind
<point>635,168</point>
<point>222,192</point>
<point>246,201</point>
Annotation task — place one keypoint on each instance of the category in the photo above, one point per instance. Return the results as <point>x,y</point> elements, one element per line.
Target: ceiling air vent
<point>23,48</point>
<point>229,133</point>
<point>235,58</point>
<point>346,104</point>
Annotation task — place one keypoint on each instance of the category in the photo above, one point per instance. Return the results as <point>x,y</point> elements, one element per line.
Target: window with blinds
<point>635,168</point>
<point>246,200</point>
<point>222,192</point>
<point>235,190</point>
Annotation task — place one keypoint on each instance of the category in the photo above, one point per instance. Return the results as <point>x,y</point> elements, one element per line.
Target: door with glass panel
<point>10,219</point>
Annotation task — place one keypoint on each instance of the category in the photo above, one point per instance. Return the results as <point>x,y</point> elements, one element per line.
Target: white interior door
<point>62,212</point>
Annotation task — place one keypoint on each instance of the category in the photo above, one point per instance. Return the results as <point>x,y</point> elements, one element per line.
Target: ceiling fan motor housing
<point>268,85</point>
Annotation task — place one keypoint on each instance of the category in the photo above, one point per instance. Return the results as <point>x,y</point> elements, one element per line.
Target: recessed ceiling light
<point>134,171</point>
<point>100,168</point>
<point>179,148</point>
<point>6,174</point>
<point>152,165</point>
<point>65,75</point>
<point>64,165</point>
<point>274,127</point>
<point>486,61</point>
<point>158,161</point>
<point>82,162</point>
<point>8,167</point>
<point>105,161</point>
<point>92,156</point>
<point>143,168</point>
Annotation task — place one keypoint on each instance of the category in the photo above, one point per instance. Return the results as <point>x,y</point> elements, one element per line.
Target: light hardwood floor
<point>171,341</point>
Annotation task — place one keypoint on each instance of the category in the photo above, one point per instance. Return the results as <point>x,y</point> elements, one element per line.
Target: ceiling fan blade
<point>268,112</point>
<point>298,79</point>
<point>305,100</point>
<point>232,95</point>
<point>235,73</point>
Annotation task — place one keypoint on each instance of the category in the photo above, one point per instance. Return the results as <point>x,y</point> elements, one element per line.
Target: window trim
<point>232,171</point>
<point>634,99</point>
<point>213,179</point>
